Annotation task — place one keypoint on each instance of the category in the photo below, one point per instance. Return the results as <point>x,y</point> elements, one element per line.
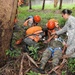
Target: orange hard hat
<point>37,18</point>
<point>51,24</point>
<point>54,20</point>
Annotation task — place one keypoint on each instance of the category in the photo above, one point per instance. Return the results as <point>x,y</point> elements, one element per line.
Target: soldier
<point>28,26</point>
<point>33,36</point>
<point>54,48</point>
<point>69,27</point>
<point>32,21</point>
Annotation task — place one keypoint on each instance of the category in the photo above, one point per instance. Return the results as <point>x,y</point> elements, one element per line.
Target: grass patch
<point>46,14</point>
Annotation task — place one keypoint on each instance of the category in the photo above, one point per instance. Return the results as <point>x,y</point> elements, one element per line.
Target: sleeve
<point>71,33</point>
<point>64,29</point>
<point>30,22</point>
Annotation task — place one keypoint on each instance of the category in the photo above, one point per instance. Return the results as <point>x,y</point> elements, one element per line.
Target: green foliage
<point>13,53</point>
<point>71,65</point>
<point>68,6</point>
<point>46,14</point>
<point>33,73</point>
<point>33,52</point>
<point>63,72</point>
<point>61,22</point>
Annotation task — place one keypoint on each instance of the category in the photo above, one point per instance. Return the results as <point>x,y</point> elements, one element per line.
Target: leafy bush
<point>71,65</point>
<point>33,52</point>
<point>33,73</point>
<point>63,72</point>
<point>61,22</point>
<point>13,53</point>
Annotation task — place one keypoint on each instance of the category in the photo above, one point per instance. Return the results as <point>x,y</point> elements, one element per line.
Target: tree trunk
<point>43,5</point>
<point>60,6</point>
<point>26,2</point>
<point>7,14</point>
<point>30,5</point>
<point>55,3</point>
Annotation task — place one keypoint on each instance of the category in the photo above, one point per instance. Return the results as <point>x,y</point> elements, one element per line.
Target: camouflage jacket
<point>69,27</point>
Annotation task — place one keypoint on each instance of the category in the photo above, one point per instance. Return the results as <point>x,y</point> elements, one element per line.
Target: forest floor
<point>25,64</point>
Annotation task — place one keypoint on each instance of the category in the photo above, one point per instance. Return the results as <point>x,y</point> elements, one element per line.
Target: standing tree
<point>20,2</point>
<point>26,2</point>
<point>60,6</point>
<point>55,3</point>
<point>43,5</point>
<point>7,15</point>
<point>30,5</point>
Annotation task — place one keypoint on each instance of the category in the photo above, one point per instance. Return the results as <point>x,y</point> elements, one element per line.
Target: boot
<point>42,65</point>
<point>41,71</point>
<point>53,73</point>
<point>25,48</point>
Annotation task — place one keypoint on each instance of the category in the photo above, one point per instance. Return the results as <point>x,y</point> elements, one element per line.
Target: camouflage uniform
<point>30,42</point>
<point>30,22</point>
<point>54,50</point>
<point>70,29</point>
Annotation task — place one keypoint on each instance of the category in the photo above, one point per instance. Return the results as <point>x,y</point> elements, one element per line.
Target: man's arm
<point>50,38</point>
<point>64,49</point>
<point>64,29</point>
<point>25,23</point>
<point>60,31</point>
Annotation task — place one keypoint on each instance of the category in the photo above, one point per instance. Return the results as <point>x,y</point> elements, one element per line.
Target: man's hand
<point>25,23</point>
<point>65,56</point>
<point>65,44</point>
<point>53,33</point>
<point>56,24</point>
<point>63,52</point>
<point>45,41</point>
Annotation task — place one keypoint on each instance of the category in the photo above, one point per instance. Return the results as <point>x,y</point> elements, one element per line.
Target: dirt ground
<point>24,63</point>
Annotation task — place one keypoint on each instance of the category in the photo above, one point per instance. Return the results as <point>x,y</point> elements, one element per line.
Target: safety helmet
<point>37,18</point>
<point>51,24</point>
<point>54,20</point>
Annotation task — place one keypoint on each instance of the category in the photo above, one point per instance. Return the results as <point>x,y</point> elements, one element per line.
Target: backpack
<point>33,29</point>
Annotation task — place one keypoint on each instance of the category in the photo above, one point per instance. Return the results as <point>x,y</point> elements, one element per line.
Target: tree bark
<point>26,2</point>
<point>55,3</point>
<point>7,14</point>
<point>43,5</point>
<point>60,6</point>
<point>30,5</point>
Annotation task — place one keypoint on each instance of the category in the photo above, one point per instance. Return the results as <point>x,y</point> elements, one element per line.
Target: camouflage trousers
<point>47,54</point>
<point>30,42</point>
<point>71,51</point>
